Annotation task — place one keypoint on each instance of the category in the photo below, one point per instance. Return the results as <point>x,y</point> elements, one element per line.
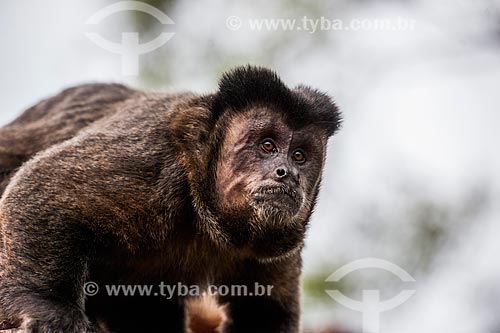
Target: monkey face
<point>267,176</point>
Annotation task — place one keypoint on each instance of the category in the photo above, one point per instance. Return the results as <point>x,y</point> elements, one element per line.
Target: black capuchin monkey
<point>114,186</point>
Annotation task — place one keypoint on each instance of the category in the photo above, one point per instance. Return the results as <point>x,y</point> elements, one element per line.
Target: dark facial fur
<point>124,187</point>
<point>268,190</point>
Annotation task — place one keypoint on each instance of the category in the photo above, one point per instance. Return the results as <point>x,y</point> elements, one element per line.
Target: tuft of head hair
<point>252,86</point>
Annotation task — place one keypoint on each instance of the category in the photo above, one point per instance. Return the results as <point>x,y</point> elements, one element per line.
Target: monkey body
<point>119,187</point>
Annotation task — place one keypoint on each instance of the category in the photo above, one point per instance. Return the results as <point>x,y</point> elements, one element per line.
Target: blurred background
<point>413,177</point>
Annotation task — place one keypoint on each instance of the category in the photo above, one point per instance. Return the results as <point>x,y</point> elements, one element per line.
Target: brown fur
<point>204,315</point>
<point>107,184</point>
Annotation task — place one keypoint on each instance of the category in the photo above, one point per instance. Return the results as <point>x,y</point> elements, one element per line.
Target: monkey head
<point>263,164</point>
<point>267,177</point>
<point>262,172</point>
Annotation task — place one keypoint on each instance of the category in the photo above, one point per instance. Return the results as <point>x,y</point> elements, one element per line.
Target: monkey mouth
<point>280,197</point>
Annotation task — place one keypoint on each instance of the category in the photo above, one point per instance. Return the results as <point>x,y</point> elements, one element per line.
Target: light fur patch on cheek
<point>25,322</point>
<point>234,192</point>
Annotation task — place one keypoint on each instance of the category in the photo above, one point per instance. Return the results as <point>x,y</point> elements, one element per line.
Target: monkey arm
<point>43,276</point>
<point>90,190</point>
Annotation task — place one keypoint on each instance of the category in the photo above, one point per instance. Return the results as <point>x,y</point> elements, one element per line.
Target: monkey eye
<point>299,156</point>
<point>268,145</point>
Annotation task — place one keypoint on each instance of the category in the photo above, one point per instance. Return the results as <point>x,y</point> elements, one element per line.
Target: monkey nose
<point>281,172</point>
